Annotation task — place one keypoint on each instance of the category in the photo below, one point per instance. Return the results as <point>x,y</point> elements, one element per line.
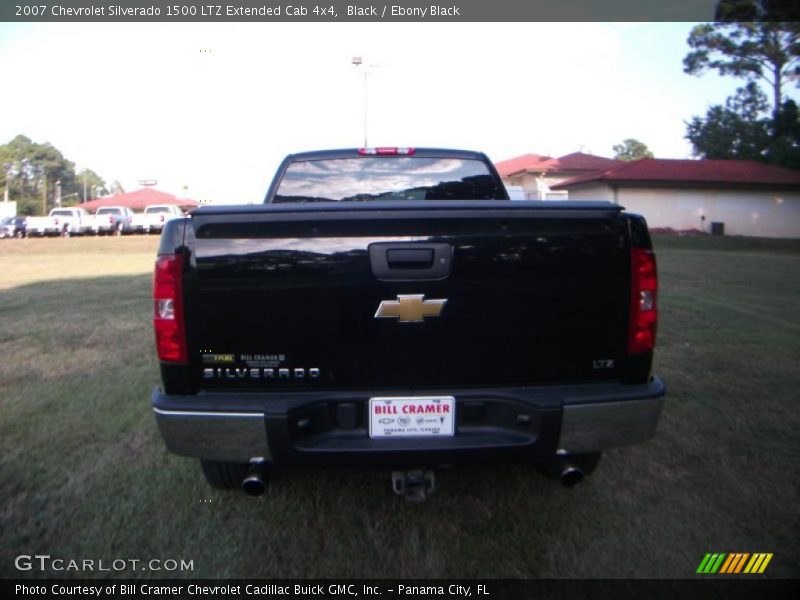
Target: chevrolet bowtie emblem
<point>410,309</point>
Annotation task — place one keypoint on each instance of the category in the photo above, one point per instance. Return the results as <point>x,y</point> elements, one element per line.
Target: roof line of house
<point>691,173</point>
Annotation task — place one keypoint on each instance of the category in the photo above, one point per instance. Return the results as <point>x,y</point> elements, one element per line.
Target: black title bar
<point>744,588</point>
<point>355,10</point>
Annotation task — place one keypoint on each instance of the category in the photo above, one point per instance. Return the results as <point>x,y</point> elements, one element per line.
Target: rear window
<point>108,211</point>
<point>157,209</point>
<point>387,178</point>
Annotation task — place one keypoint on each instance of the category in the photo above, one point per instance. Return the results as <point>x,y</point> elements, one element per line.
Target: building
<point>537,174</point>
<point>139,199</point>
<point>745,197</point>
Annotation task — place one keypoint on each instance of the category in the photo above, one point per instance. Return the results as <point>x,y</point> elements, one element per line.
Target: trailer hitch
<point>414,484</point>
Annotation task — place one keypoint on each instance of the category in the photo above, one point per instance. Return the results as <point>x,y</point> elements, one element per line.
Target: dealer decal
<point>415,416</point>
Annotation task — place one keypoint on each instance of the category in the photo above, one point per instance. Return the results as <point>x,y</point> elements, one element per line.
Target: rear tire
<point>224,475</point>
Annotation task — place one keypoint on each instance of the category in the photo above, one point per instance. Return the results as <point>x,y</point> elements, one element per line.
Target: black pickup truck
<point>391,307</point>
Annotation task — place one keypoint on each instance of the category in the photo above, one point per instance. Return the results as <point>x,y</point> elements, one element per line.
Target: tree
<point>33,171</point>
<point>54,170</point>
<point>785,147</point>
<point>752,39</point>
<point>754,10</point>
<point>89,185</point>
<point>734,131</point>
<point>631,149</point>
<point>20,173</point>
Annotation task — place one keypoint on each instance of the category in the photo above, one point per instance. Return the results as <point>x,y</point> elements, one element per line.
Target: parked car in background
<point>60,221</point>
<point>7,227</point>
<point>139,222</point>
<point>19,226</point>
<point>112,220</point>
<point>157,214</point>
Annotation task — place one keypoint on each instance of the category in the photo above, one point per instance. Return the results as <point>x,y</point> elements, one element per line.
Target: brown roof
<point>698,172</point>
<point>138,200</point>
<point>577,161</point>
<point>520,164</point>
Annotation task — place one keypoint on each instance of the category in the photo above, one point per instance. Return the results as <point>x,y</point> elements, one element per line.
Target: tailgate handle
<point>410,261</point>
<point>409,258</point>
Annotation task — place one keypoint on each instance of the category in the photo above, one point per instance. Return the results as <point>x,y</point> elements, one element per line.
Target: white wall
<point>592,191</point>
<point>752,213</point>
<point>8,209</point>
<point>537,187</point>
<point>527,182</point>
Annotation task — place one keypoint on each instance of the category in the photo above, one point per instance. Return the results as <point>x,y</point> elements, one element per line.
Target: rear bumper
<point>330,429</point>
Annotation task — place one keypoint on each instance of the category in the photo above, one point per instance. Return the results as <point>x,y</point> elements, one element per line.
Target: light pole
<point>357,62</point>
<point>7,168</point>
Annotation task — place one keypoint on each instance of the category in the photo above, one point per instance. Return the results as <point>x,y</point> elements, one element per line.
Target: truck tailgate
<point>474,293</point>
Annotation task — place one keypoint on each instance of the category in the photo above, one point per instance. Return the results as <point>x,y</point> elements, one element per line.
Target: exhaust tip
<point>571,475</point>
<point>254,483</point>
<point>254,486</point>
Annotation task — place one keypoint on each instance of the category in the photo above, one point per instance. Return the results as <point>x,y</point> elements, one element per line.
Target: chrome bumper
<point>226,436</point>
<point>598,426</point>
<point>576,419</point>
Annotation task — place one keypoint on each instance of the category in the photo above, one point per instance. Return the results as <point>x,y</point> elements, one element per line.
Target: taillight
<point>162,218</point>
<point>168,305</point>
<point>386,151</point>
<point>110,220</point>
<point>644,311</point>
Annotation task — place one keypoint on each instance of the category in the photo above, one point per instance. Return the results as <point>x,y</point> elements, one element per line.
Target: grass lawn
<point>84,473</point>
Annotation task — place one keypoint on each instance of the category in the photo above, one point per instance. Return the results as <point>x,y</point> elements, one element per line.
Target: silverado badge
<point>411,308</point>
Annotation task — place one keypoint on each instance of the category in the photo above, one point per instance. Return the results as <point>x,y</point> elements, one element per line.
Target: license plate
<point>416,416</point>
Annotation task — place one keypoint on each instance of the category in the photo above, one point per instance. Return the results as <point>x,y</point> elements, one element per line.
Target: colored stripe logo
<point>734,563</point>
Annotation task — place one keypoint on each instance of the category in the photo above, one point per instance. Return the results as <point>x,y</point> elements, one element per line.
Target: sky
<point>209,110</point>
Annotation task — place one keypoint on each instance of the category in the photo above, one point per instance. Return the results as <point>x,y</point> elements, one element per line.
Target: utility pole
<point>357,62</point>
<point>7,169</point>
<point>44,195</point>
